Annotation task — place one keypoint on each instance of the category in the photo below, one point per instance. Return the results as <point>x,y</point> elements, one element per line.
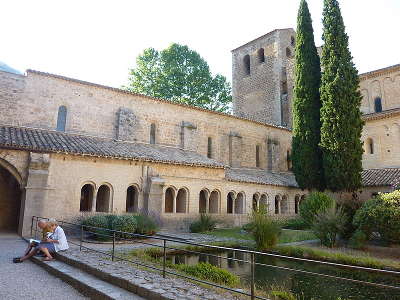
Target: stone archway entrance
<point>10,200</point>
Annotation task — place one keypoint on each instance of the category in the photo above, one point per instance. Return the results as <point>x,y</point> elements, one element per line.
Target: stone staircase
<point>97,277</point>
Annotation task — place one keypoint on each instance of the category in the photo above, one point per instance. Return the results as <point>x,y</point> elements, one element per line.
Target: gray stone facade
<point>262,78</point>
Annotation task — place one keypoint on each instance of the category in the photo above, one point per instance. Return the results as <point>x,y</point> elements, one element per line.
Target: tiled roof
<point>38,140</point>
<point>380,177</point>
<point>381,115</point>
<point>260,177</point>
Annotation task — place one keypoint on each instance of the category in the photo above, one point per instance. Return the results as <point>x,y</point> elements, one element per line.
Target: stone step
<point>89,285</point>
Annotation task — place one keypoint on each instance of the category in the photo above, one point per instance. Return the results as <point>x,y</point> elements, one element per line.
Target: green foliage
<point>145,225</point>
<point>328,224</point>
<point>306,154</point>
<point>283,295</point>
<point>381,214</point>
<point>296,223</point>
<point>339,257</point>
<point>341,99</point>
<point>315,203</point>
<point>350,207</point>
<point>358,240</point>
<point>179,74</point>
<point>140,224</point>
<point>205,223</point>
<point>209,272</point>
<point>99,221</point>
<point>264,229</point>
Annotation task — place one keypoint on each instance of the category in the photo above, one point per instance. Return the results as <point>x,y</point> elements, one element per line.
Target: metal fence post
<point>81,239</point>
<point>33,217</point>
<point>113,248</point>
<point>164,258</point>
<point>253,289</point>
<point>36,230</point>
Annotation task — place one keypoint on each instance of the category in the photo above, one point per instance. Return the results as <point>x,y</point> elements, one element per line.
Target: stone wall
<point>383,84</point>
<point>99,111</point>
<point>265,93</point>
<point>384,134</point>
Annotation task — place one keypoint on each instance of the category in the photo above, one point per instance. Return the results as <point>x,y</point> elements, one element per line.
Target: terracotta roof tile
<point>38,140</point>
<point>380,177</point>
<point>260,177</point>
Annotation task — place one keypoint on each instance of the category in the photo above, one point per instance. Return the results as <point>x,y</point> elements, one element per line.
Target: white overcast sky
<point>98,41</point>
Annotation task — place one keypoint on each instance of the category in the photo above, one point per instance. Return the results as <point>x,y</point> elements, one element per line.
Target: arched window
<point>261,56</point>
<point>288,52</point>
<point>181,200</point>
<point>103,199</point>
<point>370,145</point>
<point>264,201</point>
<point>209,147</point>
<point>292,41</point>
<point>169,200</point>
<point>87,193</point>
<point>239,204</point>
<point>246,63</point>
<point>229,203</point>
<point>152,133</point>
<point>289,160</point>
<point>203,201</point>
<point>61,118</point>
<point>296,204</point>
<point>257,156</point>
<point>132,195</point>
<point>213,205</point>
<point>277,204</point>
<point>378,104</point>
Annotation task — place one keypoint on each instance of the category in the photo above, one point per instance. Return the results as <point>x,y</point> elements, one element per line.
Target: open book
<point>34,242</point>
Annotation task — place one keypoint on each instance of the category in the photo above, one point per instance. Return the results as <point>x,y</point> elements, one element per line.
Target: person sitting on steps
<point>46,231</point>
<point>57,241</point>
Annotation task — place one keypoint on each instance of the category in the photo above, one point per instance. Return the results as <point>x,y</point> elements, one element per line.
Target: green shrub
<point>205,223</point>
<point>381,214</point>
<point>209,272</point>
<point>297,223</point>
<point>283,295</point>
<point>100,221</point>
<point>328,224</point>
<point>145,225</point>
<point>264,229</point>
<point>125,223</point>
<point>315,203</point>
<point>140,224</point>
<point>350,207</point>
<point>358,240</point>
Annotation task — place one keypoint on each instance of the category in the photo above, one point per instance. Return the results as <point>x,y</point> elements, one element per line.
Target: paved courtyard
<point>27,280</point>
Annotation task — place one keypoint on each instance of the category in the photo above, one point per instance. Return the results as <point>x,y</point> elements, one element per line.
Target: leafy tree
<point>179,74</point>
<point>340,113</point>
<point>307,156</point>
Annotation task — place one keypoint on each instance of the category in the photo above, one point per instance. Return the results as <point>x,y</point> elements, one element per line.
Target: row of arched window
<point>101,200</point>
<point>177,201</point>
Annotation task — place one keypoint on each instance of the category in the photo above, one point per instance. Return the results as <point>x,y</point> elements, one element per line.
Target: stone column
<point>36,191</point>
<point>208,203</point>
<point>94,201</point>
<point>174,203</point>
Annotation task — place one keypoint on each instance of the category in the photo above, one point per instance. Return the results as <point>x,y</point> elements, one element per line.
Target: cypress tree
<point>340,113</point>
<point>307,156</point>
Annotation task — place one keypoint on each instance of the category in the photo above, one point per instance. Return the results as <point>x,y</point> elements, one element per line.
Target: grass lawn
<point>287,235</point>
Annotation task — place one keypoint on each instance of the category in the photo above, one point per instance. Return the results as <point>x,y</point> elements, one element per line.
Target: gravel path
<point>27,280</point>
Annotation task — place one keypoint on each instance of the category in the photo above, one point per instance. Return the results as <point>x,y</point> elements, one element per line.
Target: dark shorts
<point>49,246</point>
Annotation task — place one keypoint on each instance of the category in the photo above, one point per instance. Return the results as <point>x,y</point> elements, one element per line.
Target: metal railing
<point>115,235</point>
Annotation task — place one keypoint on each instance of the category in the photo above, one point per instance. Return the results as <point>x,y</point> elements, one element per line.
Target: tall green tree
<point>340,113</point>
<point>179,74</point>
<point>307,156</point>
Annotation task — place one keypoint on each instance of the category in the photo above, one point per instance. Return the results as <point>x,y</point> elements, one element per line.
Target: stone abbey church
<point>69,148</point>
